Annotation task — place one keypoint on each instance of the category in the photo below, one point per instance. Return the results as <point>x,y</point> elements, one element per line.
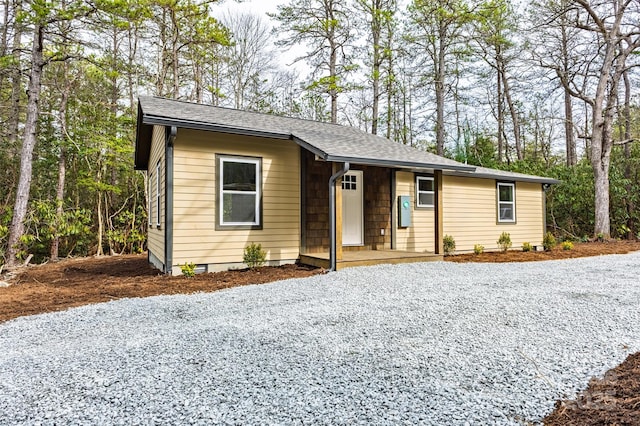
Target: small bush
<point>567,245</point>
<point>600,237</point>
<point>254,255</point>
<point>504,242</point>
<point>549,241</point>
<point>448,244</point>
<point>527,247</point>
<point>188,269</point>
<point>478,249</point>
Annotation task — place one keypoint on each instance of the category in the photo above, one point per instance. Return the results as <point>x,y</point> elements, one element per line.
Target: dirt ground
<point>613,400</point>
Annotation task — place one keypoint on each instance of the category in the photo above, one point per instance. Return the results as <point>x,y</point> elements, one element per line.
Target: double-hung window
<point>150,195</point>
<point>506,202</point>
<point>158,193</point>
<point>425,191</point>
<point>239,192</point>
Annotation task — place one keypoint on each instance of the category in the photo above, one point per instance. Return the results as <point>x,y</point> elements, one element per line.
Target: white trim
<point>256,193</point>
<point>418,191</point>
<point>150,196</point>
<point>511,203</point>
<point>158,193</point>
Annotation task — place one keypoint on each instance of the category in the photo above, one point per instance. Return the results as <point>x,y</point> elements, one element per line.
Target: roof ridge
<point>268,114</point>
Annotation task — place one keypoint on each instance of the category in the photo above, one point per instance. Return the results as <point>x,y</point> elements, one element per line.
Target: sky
<point>261,8</point>
<point>256,6</point>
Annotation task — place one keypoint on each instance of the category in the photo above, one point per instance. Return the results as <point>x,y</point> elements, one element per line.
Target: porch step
<point>368,258</point>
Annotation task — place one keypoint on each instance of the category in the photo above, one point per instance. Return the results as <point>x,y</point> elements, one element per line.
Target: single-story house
<point>323,194</point>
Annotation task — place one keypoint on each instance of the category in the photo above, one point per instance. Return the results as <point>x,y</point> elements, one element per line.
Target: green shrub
<point>549,241</point>
<point>478,249</point>
<point>254,255</point>
<point>448,244</point>
<point>188,269</point>
<point>527,246</point>
<point>567,245</point>
<point>504,242</point>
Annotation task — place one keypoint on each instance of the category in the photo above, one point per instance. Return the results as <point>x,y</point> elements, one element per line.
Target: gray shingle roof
<point>331,142</point>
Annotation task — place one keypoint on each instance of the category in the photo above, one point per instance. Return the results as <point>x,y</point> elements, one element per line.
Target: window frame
<point>499,202</point>
<point>158,215</point>
<point>150,196</point>
<point>432,192</point>
<point>220,192</point>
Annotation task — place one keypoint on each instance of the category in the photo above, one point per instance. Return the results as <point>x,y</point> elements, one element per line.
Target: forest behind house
<point>544,87</point>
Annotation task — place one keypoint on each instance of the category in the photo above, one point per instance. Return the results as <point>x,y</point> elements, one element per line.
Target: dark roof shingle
<point>332,142</point>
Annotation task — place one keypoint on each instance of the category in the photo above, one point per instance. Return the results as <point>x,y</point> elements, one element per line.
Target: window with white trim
<point>425,191</point>
<point>239,186</point>
<point>506,202</point>
<point>158,193</point>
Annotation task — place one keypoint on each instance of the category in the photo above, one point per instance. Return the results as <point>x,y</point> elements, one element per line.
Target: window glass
<point>239,176</point>
<point>506,203</point>
<point>158,193</point>
<point>425,193</point>
<point>239,208</point>
<point>506,193</point>
<point>239,191</point>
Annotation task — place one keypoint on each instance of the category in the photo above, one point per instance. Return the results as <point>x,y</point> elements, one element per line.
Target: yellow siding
<point>195,238</point>
<point>155,238</point>
<point>420,236</point>
<point>470,209</point>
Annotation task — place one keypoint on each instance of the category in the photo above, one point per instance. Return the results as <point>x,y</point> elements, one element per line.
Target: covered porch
<point>367,258</point>
<point>350,216</point>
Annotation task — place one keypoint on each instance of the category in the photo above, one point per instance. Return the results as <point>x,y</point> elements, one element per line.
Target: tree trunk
<point>439,89</point>
<point>628,171</point>
<point>514,115</point>
<point>5,28</point>
<point>16,84</point>
<point>601,181</point>
<point>16,231</point>
<point>500,117</point>
<point>572,158</point>
<point>376,28</point>
<point>333,92</point>
<point>62,163</point>
<point>174,57</point>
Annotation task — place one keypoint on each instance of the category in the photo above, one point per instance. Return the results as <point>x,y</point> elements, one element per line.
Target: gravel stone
<point>428,343</point>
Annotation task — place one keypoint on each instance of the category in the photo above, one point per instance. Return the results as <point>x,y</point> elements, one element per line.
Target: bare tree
<point>186,31</point>
<point>378,16</point>
<point>437,28</point>
<point>250,58</point>
<point>613,28</point>
<point>324,25</point>
<point>495,26</point>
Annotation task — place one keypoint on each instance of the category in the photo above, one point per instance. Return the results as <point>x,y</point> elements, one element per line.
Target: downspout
<point>393,215</point>
<point>332,215</point>
<point>168,200</point>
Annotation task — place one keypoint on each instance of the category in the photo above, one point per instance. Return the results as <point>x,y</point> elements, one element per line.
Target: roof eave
<point>531,179</point>
<point>142,143</point>
<point>399,164</point>
<point>198,125</point>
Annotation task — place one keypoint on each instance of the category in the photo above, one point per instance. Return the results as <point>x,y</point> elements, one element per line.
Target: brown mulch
<point>613,400</point>
<point>579,250</point>
<point>76,282</point>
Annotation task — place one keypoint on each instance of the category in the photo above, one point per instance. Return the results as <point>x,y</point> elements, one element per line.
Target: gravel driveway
<point>431,343</point>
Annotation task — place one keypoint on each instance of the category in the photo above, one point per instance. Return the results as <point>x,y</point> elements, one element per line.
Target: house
<point>322,194</point>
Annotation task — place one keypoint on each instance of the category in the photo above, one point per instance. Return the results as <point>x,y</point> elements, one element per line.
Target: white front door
<point>352,211</point>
